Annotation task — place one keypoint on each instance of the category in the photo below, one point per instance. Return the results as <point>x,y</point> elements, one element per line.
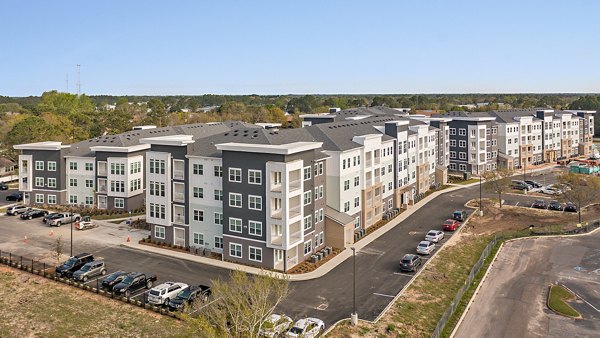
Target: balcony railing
<point>295,212</point>
<point>102,189</point>
<point>178,174</point>
<point>277,240</point>
<point>101,171</point>
<point>179,219</point>
<point>296,236</point>
<point>276,214</point>
<point>295,185</point>
<point>179,197</point>
<point>369,163</point>
<point>24,186</point>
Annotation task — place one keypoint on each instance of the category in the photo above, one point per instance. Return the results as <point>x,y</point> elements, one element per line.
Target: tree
<point>498,182</point>
<point>240,305</point>
<point>579,189</point>
<point>157,112</point>
<point>58,249</point>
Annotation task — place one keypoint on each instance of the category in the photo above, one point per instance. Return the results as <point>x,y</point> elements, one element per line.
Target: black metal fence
<point>47,271</point>
<point>458,298</point>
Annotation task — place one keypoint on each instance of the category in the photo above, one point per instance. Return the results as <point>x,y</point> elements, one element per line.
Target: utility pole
<point>78,80</point>
<point>480,195</point>
<point>354,315</point>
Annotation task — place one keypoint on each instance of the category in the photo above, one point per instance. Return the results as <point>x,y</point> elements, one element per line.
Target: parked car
<point>113,279</point>
<point>555,205</point>
<point>63,218</point>
<point>533,184</point>
<point>84,223</point>
<point>188,296</point>
<point>459,215</point>
<point>425,247</point>
<point>162,294</point>
<point>550,190</point>
<point>15,196</point>
<point>133,282</point>
<point>451,225</point>
<point>275,326</point>
<point>540,204</point>
<point>50,215</point>
<point>17,209</point>
<point>90,269</point>
<point>570,207</point>
<point>521,185</point>
<point>306,328</point>
<point>3,186</point>
<point>434,236</point>
<point>33,213</point>
<point>410,262</point>
<point>73,264</point>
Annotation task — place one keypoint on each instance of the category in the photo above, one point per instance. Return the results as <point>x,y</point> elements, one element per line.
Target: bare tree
<point>240,306</point>
<point>579,189</point>
<point>498,182</point>
<point>58,249</point>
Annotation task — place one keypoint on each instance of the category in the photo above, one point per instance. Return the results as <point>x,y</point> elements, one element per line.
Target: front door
<point>179,236</point>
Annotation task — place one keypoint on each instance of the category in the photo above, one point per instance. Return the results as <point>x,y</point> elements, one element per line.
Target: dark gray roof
<point>342,115</point>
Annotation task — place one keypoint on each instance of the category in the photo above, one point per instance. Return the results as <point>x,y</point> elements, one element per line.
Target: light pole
<point>523,165</point>
<point>480,194</point>
<point>71,239</point>
<point>354,315</point>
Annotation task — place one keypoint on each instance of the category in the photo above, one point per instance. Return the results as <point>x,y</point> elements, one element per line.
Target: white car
<point>161,294</point>
<point>550,190</point>
<point>275,326</point>
<point>425,247</point>
<point>434,236</point>
<point>306,328</point>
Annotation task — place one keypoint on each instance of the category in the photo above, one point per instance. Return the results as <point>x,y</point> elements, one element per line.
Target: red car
<point>451,225</point>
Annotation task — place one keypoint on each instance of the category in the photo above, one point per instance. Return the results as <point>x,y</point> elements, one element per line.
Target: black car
<point>555,205</point>
<point>113,279</point>
<point>133,282</point>
<point>410,262</point>
<point>3,186</point>
<point>16,197</point>
<point>571,207</point>
<point>74,263</point>
<point>533,184</point>
<point>35,213</point>
<point>187,296</point>
<point>540,204</point>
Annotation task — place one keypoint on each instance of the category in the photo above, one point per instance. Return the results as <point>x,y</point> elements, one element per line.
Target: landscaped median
<point>558,296</point>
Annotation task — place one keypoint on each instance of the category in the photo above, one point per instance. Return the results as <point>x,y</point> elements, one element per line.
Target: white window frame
<point>218,218</point>
<point>307,173</point>
<point>198,238</point>
<point>39,165</point>
<point>72,199</point>
<point>234,221</point>
<point>254,177</point>
<point>39,182</point>
<point>257,230</point>
<point>307,198</point>
<point>53,167</point>
<point>120,205</point>
<point>307,248</point>
<point>159,232</point>
<point>238,248</point>
<point>197,169</point>
<point>198,215</point>
<point>39,198</point>
<point>234,195</point>
<point>51,199</point>
<point>307,222</point>
<point>256,200</point>
<point>257,253</point>
<point>236,174</point>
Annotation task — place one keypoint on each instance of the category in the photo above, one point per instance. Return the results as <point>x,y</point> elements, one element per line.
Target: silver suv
<point>17,209</point>
<point>91,269</point>
<point>160,295</point>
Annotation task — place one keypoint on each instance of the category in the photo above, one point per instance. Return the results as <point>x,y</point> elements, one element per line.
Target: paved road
<point>3,194</point>
<point>512,300</point>
<point>328,298</point>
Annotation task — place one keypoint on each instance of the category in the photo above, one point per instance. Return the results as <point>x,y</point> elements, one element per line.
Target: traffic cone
<point>128,238</point>
<point>25,240</point>
<point>51,233</point>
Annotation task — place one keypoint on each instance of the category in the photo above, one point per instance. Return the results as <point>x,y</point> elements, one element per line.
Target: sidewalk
<point>320,271</point>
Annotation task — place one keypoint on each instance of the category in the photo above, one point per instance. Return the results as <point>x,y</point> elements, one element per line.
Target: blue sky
<point>280,47</point>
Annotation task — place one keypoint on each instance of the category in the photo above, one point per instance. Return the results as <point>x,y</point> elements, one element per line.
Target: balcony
<point>295,212</point>
<point>180,219</point>
<point>369,163</point>
<point>277,214</point>
<point>295,185</point>
<point>277,240</point>
<point>296,237</point>
<point>178,197</point>
<point>102,189</point>
<point>178,174</point>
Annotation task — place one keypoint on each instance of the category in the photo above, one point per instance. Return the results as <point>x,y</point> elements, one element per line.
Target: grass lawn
<point>556,301</point>
<point>34,306</point>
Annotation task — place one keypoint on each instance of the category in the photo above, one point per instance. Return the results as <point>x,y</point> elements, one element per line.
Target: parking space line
<point>93,280</point>
<point>383,295</point>
<point>578,296</point>
<point>403,274</point>
<point>143,291</point>
<point>517,203</point>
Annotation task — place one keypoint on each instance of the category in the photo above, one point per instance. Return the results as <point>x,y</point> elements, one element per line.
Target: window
<point>39,181</point>
<point>235,224</point>
<point>156,166</point>
<point>134,167</point>
<point>346,185</point>
<point>157,188</point>
<point>462,167</point>
<point>39,198</point>
<point>306,173</point>
<point>307,222</point>
<point>39,165</point>
<point>135,185</point>
<point>390,168</point>
<point>72,182</point>
<point>462,143</point>
<point>198,215</point>
<point>219,218</point>
<point>235,175</point>
<point>51,199</point>
<point>89,166</point>
<point>235,250</point>
<point>307,197</point>
<point>453,154</point>
<point>89,200</point>
<point>218,195</point>
<point>72,199</point>
<point>452,131</point>
<point>462,155</point>
<point>51,166</point>
<point>159,232</point>
<point>276,175</point>
<point>117,168</point>
<point>356,202</point>
<point>51,182</point>
<point>356,181</point>
<point>254,202</point>
<point>116,186</point>
<point>235,200</point>
<point>73,165</point>
<point>255,254</point>
<point>452,166</point>
<point>198,169</point>
<point>218,171</point>
<point>462,132</point>
<point>198,192</point>
<point>198,238</point>
<point>319,216</point>
<point>346,206</point>
<point>255,228</point>
<point>157,211</point>
<point>319,168</point>
<point>218,242</point>
<point>307,247</point>
<point>453,143</point>
<point>254,176</point>
<point>89,183</point>
<point>119,203</point>
<point>319,192</point>
<point>320,239</point>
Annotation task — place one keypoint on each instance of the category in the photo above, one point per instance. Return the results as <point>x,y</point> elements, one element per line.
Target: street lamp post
<point>480,194</point>
<point>523,165</point>
<point>71,239</point>
<point>354,315</point>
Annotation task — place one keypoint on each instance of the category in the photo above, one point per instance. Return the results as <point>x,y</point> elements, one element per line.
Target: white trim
<point>130,149</point>
<point>256,248</point>
<point>47,145</point>
<point>244,238</point>
<point>283,149</point>
<point>32,190</point>
<point>170,140</point>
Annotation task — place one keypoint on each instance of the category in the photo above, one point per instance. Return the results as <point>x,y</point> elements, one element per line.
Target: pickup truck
<point>63,218</point>
<point>133,282</point>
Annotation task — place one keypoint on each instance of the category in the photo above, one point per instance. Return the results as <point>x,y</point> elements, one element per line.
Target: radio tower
<point>78,80</point>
